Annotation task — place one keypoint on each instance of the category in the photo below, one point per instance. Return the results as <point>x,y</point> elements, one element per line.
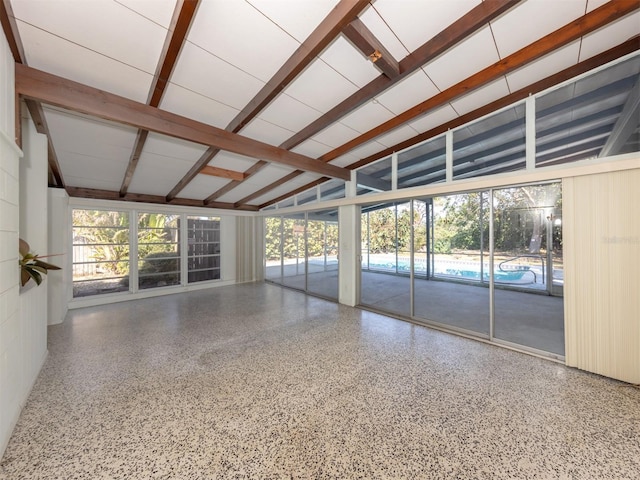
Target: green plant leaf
<point>46,265</point>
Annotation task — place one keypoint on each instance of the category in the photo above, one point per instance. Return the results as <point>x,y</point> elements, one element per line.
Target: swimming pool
<point>521,274</point>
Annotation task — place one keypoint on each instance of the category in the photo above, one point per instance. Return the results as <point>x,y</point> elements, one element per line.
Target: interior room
<point>319,239</point>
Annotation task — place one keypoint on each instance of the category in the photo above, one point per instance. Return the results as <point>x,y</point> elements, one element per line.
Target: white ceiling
<point>232,50</point>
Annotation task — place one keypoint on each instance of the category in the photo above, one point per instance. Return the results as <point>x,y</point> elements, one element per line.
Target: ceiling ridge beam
<point>367,43</point>
<point>593,20</point>
<point>233,184</point>
<point>463,27</point>
<point>625,48</point>
<point>54,90</point>
<point>181,21</point>
<point>223,173</point>
<point>341,15</point>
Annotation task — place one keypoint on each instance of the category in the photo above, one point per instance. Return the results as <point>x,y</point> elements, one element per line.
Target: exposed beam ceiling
<point>54,90</point>
<point>630,46</point>
<point>452,35</point>
<point>358,34</point>
<point>181,21</point>
<point>325,33</point>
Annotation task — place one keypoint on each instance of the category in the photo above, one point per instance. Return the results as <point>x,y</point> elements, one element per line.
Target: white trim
<point>11,143</point>
<point>95,300</point>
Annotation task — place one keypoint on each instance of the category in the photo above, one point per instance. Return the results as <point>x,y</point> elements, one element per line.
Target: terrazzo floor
<point>258,381</point>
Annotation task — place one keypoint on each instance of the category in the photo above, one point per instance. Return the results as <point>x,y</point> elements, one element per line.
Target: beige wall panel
<point>602,271</point>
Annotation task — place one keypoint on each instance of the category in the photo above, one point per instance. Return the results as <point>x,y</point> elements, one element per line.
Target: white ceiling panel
<point>298,19</point>
<point>202,186</point>
<point>193,105</point>
<point>60,57</point>
<point>232,161</point>
<point>397,135</point>
<point>509,30</point>
<point>610,36</point>
<point>92,153</point>
<point>212,77</point>
<point>481,96</point>
<point>545,66</point>
<point>414,22</point>
<point>593,4</point>
<point>163,162</point>
<point>289,113</point>
<point>254,45</point>
<point>376,24</point>
<point>311,87</point>
<point>367,149</point>
<point>463,60</point>
<point>335,135</point>
<point>434,118</point>
<point>345,160</point>
<point>92,24</point>
<point>351,63</point>
<point>369,115</point>
<point>312,148</point>
<point>267,132</point>
<point>409,92</point>
<point>158,11</point>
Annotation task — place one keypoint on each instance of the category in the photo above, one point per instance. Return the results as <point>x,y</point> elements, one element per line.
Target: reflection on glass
<point>100,252</point>
<point>575,122</point>
<point>528,267</point>
<point>422,164</point>
<point>495,144</point>
<point>293,251</point>
<point>450,285</point>
<point>375,177</point>
<point>322,254</point>
<point>387,248</point>
<point>158,250</point>
<point>273,248</point>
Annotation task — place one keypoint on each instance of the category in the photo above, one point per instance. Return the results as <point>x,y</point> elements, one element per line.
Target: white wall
<point>11,392</point>
<point>23,316</point>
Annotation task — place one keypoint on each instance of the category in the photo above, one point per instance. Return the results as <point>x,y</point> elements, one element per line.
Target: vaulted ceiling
<point>241,103</point>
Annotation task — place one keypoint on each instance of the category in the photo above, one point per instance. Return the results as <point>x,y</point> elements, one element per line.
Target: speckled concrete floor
<point>256,381</point>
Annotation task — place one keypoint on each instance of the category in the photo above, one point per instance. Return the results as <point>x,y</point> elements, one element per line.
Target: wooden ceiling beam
<point>183,16</point>
<point>593,20</point>
<point>625,48</point>
<point>223,173</point>
<point>54,90</point>
<point>341,15</point>
<point>157,199</point>
<point>365,41</point>
<point>233,184</point>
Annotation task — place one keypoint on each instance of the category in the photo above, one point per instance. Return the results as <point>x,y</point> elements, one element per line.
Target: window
<point>100,252</point>
<point>203,238</point>
<point>158,250</point>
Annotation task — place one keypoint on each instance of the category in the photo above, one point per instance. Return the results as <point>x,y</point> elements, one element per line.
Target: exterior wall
<point>601,216</point>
